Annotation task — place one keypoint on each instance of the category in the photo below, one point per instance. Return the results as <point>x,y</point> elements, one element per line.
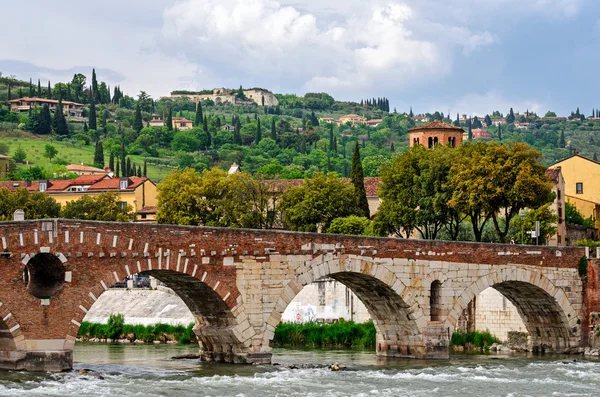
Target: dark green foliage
<point>99,155</point>
<point>199,117</point>
<point>138,123</point>
<point>358,180</point>
<point>92,116</point>
<point>60,123</point>
<point>258,135</point>
<point>510,117</point>
<point>95,93</point>
<point>574,217</point>
<point>146,333</point>
<point>144,173</point>
<point>114,326</point>
<point>44,122</point>
<point>583,267</point>
<point>169,121</point>
<point>340,334</point>
<point>482,340</point>
<point>273,130</point>
<point>111,161</point>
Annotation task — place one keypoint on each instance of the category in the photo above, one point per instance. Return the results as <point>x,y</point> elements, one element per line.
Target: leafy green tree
<point>574,217</point>
<point>4,148</point>
<point>111,161</point>
<point>145,102</point>
<point>138,123</point>
<point>562,143</point>
<point>317,202</point>
<point>78,86</point>
<point>20,155</point>
<point>36,205</point>
<point>358,181</point>
<point>50,152</point>
<point>355,225</point>
<point>106,207</point>
<point>372,164</point>
<point>548,221</point>
<point>186,141</point>
<point>477,122</point>
<point>488,120</point>
<point>550,114</point>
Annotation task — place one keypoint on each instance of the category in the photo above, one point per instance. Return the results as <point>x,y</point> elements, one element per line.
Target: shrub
<point>583,267</point>
<point>340,334</point>
<point>114,326</point>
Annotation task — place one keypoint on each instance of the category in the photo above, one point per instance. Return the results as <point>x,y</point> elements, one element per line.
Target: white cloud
<point>485,103</point>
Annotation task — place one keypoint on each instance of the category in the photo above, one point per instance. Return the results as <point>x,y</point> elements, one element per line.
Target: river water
<point>148,370</point>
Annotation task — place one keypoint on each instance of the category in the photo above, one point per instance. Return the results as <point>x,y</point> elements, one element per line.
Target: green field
<point>34,147</point>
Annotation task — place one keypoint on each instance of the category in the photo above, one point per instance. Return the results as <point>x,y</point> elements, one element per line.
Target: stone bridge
<point>238,282</point>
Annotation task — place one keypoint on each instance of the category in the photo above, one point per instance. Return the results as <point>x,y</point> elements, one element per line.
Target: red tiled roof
<point>12,185</point>
<point>88,179</point>
<point>553,173</point>
<point>44,100</point>
<point>83,168</point>
<point>113,183</point>
<point>181,119</point>
<point>436,125</point>
<point>148,210</point>
<point>59,185</point>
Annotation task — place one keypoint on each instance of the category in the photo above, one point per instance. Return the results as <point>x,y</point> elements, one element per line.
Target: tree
<point>470,133</point>
<point>488,120</point>
<point>355,225</point>
<point>60,123</point>
<point>477,122</point>
<point>99,155</point>
<point>106,207</point>
<point>78,87</point>
<point>95,93</point>
<point>49,91</point>
<point>169,121</point>
<point>237,138</point>
<point>44,124</point>
<point>36,205</point>
<point>317,202</point>
<point>4,148</point>
<point>39,89</point>
<point>123,161</point>
<point>258,134</point>
<point>111,161</point>
<point>548,221</point>
<point>561,142</point>
<point>145,102</point>
<point>138,123</point>
<point>199,117</point>
<point>510,117</point>
<point>499,132</point>
<point>273,130</point>
<point>92,115</point>
<point>550,114</point>
<point>20,154</point>
<point>50,152</point>
<point>574,217</point>
<point>145,173</point>
<point>358,181</point>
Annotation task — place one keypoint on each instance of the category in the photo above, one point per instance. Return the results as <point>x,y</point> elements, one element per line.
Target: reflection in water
<point>147,370</point>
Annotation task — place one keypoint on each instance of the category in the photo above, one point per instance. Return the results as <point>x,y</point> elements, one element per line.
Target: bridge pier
<point>36,361</point>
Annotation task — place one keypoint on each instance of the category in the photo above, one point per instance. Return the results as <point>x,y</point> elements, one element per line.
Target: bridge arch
<point>218,312</point>
<point>550,319</point>
<point>397,316</point>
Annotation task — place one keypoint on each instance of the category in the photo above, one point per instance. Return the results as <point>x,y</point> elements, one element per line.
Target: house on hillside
<point>480,133</point>
<point>156,121</point>
<point>182,124</point>
<point>86,170</point>
<point>228,127</point>
<point>22,105</point>
<point>353,119</point>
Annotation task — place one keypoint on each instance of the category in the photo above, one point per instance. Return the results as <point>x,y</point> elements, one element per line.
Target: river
<point>148,370</point>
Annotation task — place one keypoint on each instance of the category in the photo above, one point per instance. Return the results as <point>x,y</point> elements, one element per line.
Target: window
<point>559,239</point>
<point>558,194</point>
<point>579,188</point>
<point>560,217</point>
<point>435,301</point>
<point>122,184</point>
<point>43,186</point>
<point>123,205</point>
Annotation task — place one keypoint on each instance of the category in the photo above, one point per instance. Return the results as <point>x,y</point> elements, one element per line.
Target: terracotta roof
<point>113,183</point>
<point>44,100</point>
<point>59,185</point>
<point>12,185</point>
<point>181,119</point>
<point>436,125</point>
<point>83,168</point>
<point>553,173</point>
<point>148,210</point>
<point>88,179</point>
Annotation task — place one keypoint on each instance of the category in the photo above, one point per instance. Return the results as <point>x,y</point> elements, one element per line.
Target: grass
<point>340,334</point>
<point>482,340</point>
<point>35,146</point>
<point>147,333</point>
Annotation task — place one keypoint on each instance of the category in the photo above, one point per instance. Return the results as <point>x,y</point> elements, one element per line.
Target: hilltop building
<point>24,104</point>
<point>436,132</point>
<point>222,95</point>
<point>354,119</point>
<point>182,124</point>
<point>86,170</point>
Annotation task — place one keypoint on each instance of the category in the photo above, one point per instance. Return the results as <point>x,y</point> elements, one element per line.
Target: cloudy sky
<point>467,56</point>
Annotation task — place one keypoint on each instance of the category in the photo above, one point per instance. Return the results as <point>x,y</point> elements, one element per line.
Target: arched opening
<point>44,275</point>
<point>516,311</point>
<point>435,301</point>
<point>179,299</point>
<point>435,141</point>
<point>430,142</point>
<point>397,332</point>
<point>7,342</point>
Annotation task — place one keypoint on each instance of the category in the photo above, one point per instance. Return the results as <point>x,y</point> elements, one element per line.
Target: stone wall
<point>495,313</point>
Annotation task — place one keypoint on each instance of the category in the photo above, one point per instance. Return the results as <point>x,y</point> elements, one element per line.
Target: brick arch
<point>397,316</point>
<point>217,309</point>
<point>548,315</point>
<point>11,335</point>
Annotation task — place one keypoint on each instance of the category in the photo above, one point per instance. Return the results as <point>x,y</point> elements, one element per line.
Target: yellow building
<point>24,104</point>
<point>139,193</point>
<point>182,124</point>
<point>353,119</point>
<point>582,184</point>
<point>4,161</point>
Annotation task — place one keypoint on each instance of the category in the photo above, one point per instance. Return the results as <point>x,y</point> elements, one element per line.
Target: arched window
<point>430,142</point>
<point>435,141</point>
<point>435,300</point>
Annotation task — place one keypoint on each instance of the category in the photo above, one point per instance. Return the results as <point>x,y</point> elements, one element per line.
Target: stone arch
<point>427,282</point>
<point>549,317</point>
<point>11,336</point>
<point>397,316</point>
<point>218,310</point>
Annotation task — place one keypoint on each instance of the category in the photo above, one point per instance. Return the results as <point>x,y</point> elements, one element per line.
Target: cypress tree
<point>205,124</point>
<point>358,180</point>
<point>44,124</point>
<point>128,167</point>
<point>118,170</point>
<point>9,93</point>
<point>273,130</point>
<point>39,89</point>
<point>99,155</point>
<point>328,162</point>
<point>199,117</point>
<point>145,173</point>
<point>60,123</point>
<point>499,132</point>
<point>95,92</point>
<point>49,91</point>
<point>138,123</point>
<point>123,162</point>
<point>92,115</point>
<point>108,95</point>
<point>470,132</point>
<point>102,117</point>
<point>139,171</point>
<point>237,138</point>
<point>111,161</point>
<point>595,157</point>
<point>561,141</point>
<point>331,137</point>
<point>85,127</point>
<point>169,121</point>
<point>258,135</point>
<point>30,88</point>
<point>392,148</point>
